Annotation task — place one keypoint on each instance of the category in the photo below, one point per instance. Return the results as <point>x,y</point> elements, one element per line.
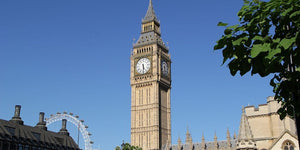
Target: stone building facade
<point>260,129</point>
<point>150,79</point>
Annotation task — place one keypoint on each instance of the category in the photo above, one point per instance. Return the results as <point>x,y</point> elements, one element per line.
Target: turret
<point>202,142</point>
<point>150,21</point>
<point>150,33</point>
<point>245,138</point>
<point>228,139</point>
<point>179,143</point>
<point>189,140</point>
<point>215,142</point>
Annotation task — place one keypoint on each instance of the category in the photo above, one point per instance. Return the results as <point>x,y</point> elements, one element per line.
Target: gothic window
<point>26,147</point>
<point>288,145</point>
<point>20,147</point>
<point>147,28</point>
<point>5,146</point>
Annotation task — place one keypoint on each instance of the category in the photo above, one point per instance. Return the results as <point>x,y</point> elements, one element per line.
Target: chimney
<point>16,118</point>
<point>63,129</point>
<point>41,124</point>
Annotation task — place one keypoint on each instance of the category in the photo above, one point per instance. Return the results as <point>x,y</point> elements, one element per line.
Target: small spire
<point>203,142</point>
<point>215,141</point>
<point>187,130</point>
<point>179,143</point>
<point>234,135</point>
<point>188,138</point>
<point>215,137</point>
<point>150,15</point>
<point>245,135</point>
<point>245,131</point>
<point>228,140</point>
<point>179,140</point>
<point>228,134</point>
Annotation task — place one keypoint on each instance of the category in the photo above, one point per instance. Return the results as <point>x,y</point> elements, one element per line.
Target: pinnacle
<point>245,131</point>
<point>150,15</point>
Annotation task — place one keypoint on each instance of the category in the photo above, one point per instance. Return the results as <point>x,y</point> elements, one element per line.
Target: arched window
<point>288,145</point>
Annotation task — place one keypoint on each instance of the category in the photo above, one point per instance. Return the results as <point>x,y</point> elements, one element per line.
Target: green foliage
<point>262,43</point>
<point>127,146</point>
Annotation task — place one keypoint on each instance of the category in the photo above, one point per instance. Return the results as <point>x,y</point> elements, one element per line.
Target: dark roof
<point>149,38</point>
<point>150,14</point>
<point>11,131</point>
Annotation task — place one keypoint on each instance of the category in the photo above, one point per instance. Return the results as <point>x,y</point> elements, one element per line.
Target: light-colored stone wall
<point>265,123</point>
<point>150,100</point>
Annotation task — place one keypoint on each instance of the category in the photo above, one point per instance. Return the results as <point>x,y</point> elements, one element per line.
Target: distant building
<point>14,135</point>
<point>260,129</point>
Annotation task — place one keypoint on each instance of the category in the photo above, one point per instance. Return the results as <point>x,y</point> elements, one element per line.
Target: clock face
<point>164,68</point>
<point>143,66</point>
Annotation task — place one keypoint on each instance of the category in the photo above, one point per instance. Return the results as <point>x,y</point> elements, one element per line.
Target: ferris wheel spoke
<point>75,121</point>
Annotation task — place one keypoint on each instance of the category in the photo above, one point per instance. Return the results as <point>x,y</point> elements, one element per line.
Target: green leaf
<point>287,11</point>
<point>238,41</point>
<point>286,43</point>
<point>277,40</point>
<point>273,52</point>
<point>222,24</point>
<point>233,27</point>
<point>227,53</point>
<point>244,67</point>
<point>220,43</point>
<point>272,82</point>
<point>233,67</point>
<point>294,14</point>
<point>258,48</point>
<point>282,113</point>
<point>227,31</point>
<point>258,38</point>
<point>298,39</point>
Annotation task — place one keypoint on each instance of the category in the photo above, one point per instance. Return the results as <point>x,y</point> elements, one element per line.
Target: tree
<point>127,146</point>
<point>266,42</point>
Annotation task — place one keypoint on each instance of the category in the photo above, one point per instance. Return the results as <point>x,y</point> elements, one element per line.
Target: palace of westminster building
<point>150,79</point>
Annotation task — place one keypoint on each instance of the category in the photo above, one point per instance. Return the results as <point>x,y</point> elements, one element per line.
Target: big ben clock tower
<point>150,79</point>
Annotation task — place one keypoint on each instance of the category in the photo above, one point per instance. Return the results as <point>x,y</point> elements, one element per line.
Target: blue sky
<point>73,56</point>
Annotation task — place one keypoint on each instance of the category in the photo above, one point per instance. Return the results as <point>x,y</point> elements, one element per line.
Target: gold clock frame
<point>137,59</point>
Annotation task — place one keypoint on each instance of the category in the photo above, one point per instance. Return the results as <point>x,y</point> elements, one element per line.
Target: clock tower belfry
<point>150,79</point>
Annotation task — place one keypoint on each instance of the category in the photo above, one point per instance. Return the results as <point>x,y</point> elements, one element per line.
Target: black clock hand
<point>143,68</point>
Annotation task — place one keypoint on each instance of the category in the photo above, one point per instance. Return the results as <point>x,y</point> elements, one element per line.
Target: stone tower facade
<point>150,79</point>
